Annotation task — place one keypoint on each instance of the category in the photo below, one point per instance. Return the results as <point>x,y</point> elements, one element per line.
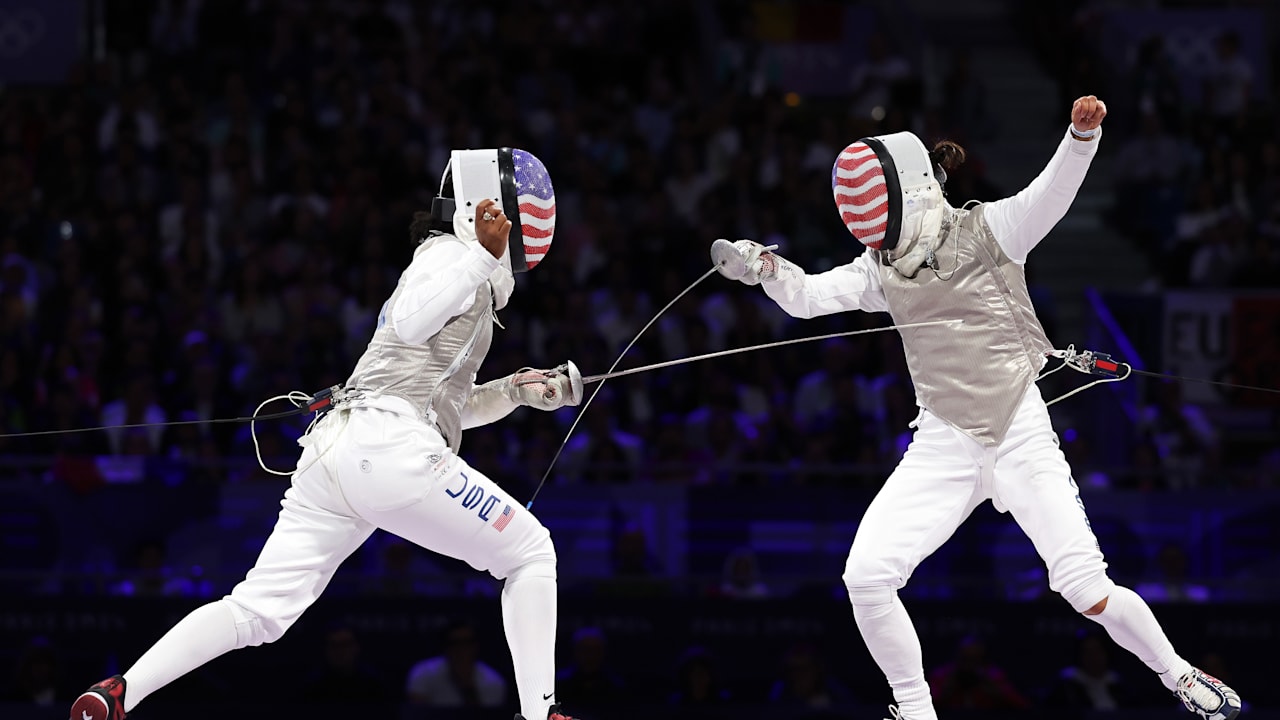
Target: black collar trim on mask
<point>511,206</point>
<point>892,233</point>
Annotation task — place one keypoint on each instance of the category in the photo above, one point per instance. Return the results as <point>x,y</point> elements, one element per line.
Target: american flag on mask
<point>504,519</point>
<point>537,201</point>
<point>862,197</point>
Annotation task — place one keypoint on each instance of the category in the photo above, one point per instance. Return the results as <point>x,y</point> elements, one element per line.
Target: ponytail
<point>947,155</point>
<point>423,223</point>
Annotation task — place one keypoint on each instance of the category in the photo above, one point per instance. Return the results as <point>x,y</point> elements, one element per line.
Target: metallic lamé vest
<point>435,378</point>
<point>972,376</point>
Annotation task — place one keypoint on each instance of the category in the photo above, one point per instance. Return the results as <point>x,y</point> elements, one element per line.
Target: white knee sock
<point>529,619</point>
<point>1130,622</point>
<point>891,638</point>
<point>209,631</point>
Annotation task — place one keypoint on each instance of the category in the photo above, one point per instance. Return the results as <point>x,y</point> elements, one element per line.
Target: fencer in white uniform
<point>386,455</point>
<point>983,432</point>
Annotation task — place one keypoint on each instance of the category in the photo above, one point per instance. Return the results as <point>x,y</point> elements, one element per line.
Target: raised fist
<point>1087,113</point>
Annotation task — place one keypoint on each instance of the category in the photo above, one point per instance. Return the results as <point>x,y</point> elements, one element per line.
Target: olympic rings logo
<point>19,32</point>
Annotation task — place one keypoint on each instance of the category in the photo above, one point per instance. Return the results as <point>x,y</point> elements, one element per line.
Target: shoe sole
<point>85,709</point>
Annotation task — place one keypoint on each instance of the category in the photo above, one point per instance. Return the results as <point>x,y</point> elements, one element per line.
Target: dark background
<point>204,204</point>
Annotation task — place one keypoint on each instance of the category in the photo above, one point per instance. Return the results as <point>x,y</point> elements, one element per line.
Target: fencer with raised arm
<point>983,431</point>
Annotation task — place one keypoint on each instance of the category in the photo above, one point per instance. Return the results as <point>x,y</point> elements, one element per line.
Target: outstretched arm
<point>1020,222</point>
<point>855,286</point>
<point>542,389</point>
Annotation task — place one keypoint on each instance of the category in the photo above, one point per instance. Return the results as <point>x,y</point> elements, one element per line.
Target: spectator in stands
<point>1181,434</point>
<point>136,405</point>
<point>973,682</point>
<point>1149,170</point>
<point>965,100</point>
<point>1220,256</point>
<point>1089,683</point>
<point>740,579</point>
<point>37,677</point>
<point>632,556</point>
<point>1153,81</point>
<point>344,678</point>
<point>805,683</point>
<point>152,575</point>
<point>1228,81</point>
<point>1170,583</point>
<point>877,81</point>
<point>698,685</point>
<point>589,681</point>
<point>456,678</point>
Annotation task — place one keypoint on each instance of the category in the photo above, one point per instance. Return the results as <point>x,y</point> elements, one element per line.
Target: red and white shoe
<point>1207,696</point>
<point>104,701</point>
<point>553,713</point>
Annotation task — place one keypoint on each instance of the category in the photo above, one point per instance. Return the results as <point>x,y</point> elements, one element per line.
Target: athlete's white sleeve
<point>855,286</point>
<point>487,403</point>
<point>1020,222</point>
<point>439,284</point>
<point>545,390</point>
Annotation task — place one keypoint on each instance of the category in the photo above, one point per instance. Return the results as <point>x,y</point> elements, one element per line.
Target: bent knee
<point>1089,595</point>
<point>537,559</point>
<point>868,596</point>
<point>1097,607</point>
<point>871,582</point>
<point>540,550</point>
<point>870,573</point>
<point>253,628</point>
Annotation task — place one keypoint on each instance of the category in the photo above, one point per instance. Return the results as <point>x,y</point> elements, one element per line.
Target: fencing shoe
<point>103,701</point>
<point>1206,696</point>
<point>553,713</point>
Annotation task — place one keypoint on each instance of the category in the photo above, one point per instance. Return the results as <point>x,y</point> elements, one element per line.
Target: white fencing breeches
<point>945,474</point>
<point>367,468</point>
<point>363,469</point>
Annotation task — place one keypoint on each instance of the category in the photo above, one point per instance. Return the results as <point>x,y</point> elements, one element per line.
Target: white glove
<point>744,260</point>
<point>546,389</point>
<point>543,389</point>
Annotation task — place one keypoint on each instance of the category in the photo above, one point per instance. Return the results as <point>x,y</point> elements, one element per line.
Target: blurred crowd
<point>1195,138</point>
<point>213,214</point>
<point>1196,135</point>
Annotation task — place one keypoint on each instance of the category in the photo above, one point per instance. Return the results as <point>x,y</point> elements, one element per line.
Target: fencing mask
<point>889,197</point>
<point>518,182</point>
